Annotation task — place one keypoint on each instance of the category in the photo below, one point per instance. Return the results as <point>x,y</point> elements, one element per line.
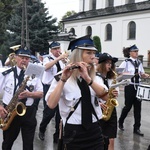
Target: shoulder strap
<point>8,71</point>
<point>71,112</point>
<point>57,64</point>
<point>49,57</point>
<point>104,79</point>
<point>139,62</point>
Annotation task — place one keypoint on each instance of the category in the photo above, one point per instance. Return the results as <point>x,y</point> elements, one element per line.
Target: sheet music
<point>124,77</point>
<point>119,70</point>
<point>34,69</point>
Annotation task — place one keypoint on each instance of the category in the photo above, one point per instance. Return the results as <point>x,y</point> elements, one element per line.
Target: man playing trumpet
<point>53,64</point>
<point>10,61</point>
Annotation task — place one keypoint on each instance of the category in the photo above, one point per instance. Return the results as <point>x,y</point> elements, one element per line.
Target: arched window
<point>109,3</point>
<point>72,31</point>
<point>89,30</point>
<point>108,32</point>
<point>131,30</point>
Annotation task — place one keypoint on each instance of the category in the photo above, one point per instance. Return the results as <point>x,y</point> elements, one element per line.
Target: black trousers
<point>26,124</point>
<point>131,100</point>
<point>48,114</point>
<point>45,89</point>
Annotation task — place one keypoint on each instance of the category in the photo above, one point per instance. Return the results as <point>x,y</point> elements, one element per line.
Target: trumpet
<point>66,59</point>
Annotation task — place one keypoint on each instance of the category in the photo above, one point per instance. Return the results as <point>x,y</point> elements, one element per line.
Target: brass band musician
<point>132,65</point>
<point>106,63</point>
<point>10,61</point>
<point>10,82</point>
<point>75,92</point>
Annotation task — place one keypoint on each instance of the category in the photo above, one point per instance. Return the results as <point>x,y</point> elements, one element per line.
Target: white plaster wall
<point>119,32</point>
<point>102,4</point>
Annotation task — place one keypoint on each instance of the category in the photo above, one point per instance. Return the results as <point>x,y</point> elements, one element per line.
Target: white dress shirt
<point>70,96</point>
<point>49,74</point>
<point>7,85</point>
<point>130,68</point>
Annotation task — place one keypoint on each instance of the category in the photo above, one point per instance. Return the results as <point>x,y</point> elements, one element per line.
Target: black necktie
<point>86,105</point>
<point>58,66</point>
<point>136,72</point>
<point>20,77</point>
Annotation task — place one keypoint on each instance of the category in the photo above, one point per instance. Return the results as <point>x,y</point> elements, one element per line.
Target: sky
<point>58,8</point>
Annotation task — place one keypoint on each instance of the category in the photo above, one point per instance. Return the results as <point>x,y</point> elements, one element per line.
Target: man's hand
<point>3,112</point>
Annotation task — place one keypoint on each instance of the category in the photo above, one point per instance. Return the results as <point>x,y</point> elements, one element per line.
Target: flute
<point>74,67</point>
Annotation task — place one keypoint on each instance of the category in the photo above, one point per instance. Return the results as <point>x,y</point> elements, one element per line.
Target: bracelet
<point>63,80</point>
<point>90,82</point>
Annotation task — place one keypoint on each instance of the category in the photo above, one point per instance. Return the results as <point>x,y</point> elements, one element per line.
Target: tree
<point>67,14</point>
<point>97,42</point>
<point>39,23</point>
<point>6,8</point>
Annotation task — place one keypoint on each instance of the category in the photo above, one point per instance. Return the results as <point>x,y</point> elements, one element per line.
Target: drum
<point>143,92</point>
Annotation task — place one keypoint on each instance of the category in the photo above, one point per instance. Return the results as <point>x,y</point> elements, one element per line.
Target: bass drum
<point>143,92</point>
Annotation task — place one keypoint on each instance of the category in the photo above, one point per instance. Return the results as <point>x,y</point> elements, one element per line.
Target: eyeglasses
<point>109,63</point>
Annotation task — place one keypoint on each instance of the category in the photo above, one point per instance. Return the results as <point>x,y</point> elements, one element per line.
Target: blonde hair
<point>76,56</point>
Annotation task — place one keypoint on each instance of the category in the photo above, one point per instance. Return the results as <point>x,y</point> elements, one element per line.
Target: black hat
<point>105,56</point>
<point>54,44</point>
<point>84,42</point>
<point>133,48</point>
<point>23,52</point>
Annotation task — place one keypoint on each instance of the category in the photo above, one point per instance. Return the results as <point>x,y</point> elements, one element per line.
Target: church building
<point>118,23</point>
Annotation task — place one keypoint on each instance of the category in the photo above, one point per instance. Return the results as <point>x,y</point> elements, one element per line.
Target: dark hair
<point>126,52</point>
<point>110,74</point>
<point>102,68</point>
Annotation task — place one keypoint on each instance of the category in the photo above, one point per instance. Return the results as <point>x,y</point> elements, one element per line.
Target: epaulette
<point>7,71</point>
<point>128,59</point>
<point>58,75</point>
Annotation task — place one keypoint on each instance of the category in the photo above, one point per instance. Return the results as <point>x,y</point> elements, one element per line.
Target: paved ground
<point>125,141</point>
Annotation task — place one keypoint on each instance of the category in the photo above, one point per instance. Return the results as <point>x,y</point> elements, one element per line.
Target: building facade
<point>118,23</point>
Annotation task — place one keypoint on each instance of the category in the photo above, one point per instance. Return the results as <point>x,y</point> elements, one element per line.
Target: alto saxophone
<point>14,107</point>
<point>111,102</point>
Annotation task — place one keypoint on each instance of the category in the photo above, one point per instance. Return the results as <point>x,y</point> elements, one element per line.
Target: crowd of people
<point>74,87</point>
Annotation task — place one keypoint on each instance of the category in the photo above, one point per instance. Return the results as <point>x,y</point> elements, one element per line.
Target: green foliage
<point>67,14</point>
<point>40,26</point>
<point>97,42</point>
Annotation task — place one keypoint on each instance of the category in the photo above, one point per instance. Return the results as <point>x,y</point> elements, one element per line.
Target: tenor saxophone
<point>111,102</point>
<point>14,107</point>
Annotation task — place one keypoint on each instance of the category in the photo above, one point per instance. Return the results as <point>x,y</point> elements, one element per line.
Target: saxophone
<point>111,102</point>
<point>14,107</point>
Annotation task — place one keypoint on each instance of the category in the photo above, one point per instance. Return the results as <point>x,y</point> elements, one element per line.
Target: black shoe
<point>121,127</point>
<point>41,136</point>
<point>138,132</point>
